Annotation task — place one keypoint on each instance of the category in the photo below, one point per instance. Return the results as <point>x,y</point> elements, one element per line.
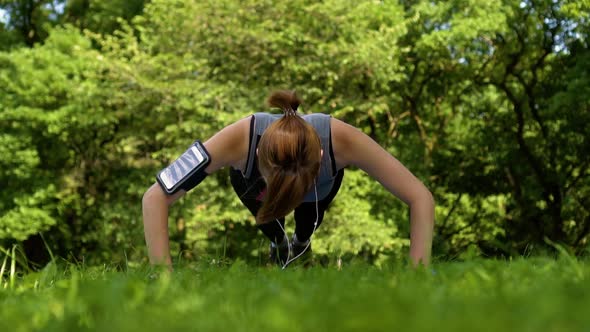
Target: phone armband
<point>185,172</point>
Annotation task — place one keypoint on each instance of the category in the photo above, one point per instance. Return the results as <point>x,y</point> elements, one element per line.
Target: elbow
<point>429,198</point>
<point>423,199</point>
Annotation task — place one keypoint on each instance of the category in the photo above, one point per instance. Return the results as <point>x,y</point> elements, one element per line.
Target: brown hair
<point>289,156</point>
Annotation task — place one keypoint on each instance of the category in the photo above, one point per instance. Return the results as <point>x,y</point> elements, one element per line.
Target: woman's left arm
<point>353,147</point>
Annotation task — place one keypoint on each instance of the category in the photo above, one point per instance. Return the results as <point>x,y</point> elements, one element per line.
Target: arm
<point>228,147</point>
<point>155,205</point>
<point>353,147</point>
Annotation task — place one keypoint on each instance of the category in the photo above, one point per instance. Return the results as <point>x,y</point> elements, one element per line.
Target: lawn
<point>533,294</point>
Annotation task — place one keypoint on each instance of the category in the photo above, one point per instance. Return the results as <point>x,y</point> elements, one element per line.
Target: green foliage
<point>360,231</point>
<point>101,16</point>
<point>485,101</point>
<point>29,22</point>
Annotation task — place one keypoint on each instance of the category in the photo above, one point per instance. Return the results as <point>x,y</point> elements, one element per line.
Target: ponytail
<point>289,156</point>
<point>286,100</point>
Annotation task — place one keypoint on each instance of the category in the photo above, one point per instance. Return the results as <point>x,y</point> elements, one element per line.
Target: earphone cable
<point>315,224</point>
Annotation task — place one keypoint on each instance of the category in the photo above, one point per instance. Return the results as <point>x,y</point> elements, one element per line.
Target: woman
<point>293,162</point>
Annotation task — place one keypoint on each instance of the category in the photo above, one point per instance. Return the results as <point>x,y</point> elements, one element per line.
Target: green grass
<point>483,295</point>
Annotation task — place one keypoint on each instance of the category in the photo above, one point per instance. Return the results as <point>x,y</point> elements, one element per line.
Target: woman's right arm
<point>229,147</point>
<point>155,205</point>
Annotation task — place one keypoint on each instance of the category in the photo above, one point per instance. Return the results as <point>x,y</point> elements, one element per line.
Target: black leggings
<point>249,190</point>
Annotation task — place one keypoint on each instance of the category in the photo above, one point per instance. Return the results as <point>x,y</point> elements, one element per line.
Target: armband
<point>185,172</point>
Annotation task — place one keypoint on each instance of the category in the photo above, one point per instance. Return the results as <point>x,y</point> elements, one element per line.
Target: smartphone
<point>194,160</point>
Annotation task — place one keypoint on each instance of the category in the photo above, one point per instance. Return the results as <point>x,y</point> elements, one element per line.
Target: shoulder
<point>229,146</point>
<point>353,147</point>
<point>239,128</point>
<point>343,132</point>
<point>344,139</point>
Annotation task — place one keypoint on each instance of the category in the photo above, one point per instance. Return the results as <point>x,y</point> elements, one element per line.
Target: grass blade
<point>13,267</point>
<point>3,267</point>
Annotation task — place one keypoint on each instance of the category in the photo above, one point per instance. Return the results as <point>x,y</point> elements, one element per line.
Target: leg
<point>247,191</point>
<point>305,213</point>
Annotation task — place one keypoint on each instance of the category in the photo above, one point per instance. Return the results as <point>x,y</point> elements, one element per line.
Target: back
<point>321,123</point>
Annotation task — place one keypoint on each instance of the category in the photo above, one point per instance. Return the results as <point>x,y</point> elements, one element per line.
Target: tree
<point>483,100</point>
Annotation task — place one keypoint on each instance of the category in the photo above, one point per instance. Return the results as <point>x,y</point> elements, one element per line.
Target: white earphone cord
<point>315,224</point>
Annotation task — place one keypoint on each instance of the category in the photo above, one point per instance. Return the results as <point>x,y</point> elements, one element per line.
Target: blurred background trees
<point>485,101</point>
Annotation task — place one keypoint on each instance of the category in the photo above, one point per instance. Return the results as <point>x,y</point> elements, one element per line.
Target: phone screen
<point>179,169</point>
